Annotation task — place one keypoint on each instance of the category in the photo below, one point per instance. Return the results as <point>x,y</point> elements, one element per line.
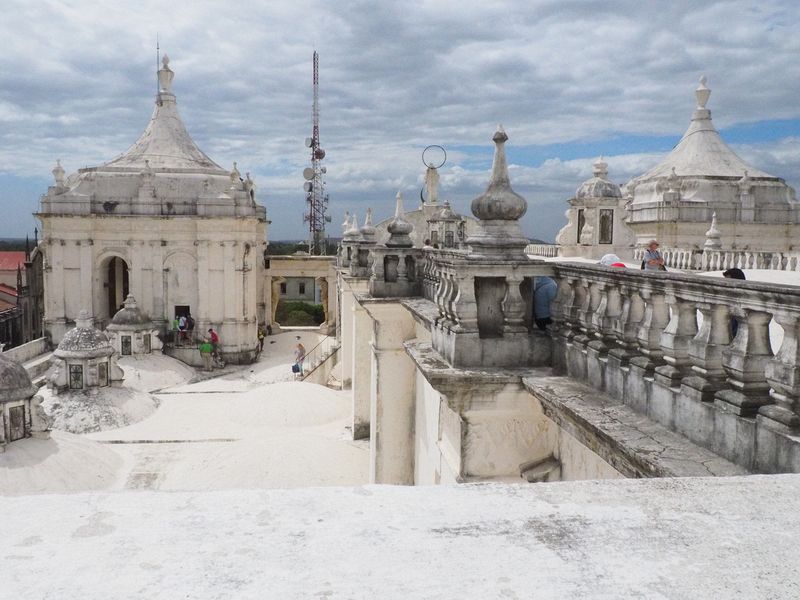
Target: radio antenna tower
<point>314,186</point>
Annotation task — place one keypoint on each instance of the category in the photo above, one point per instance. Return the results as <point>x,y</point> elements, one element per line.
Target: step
<point>630,442</point>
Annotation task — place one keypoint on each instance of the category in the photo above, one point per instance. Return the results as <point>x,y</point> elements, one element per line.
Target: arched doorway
<point>117,284</point>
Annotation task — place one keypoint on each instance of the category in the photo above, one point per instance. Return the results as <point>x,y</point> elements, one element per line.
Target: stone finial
<point>130,302</point>
<point>84,321</point>
<point>702,93</point>
<point>398,228</point>
<point>499,202</point>
<point>713,235</point>
<point>249,184</point>
<point>600,168</point>
<point>745,184</point>
<point>165,75</point>
<point>367,229</point>
<point>58,173</point>
<point>235,175</point>
<point>673,181</point>
<point>346,222</point>
<point>351,234</point>
<point>147,173</point>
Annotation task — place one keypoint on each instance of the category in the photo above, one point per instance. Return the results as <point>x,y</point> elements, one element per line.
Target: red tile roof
<point>10,259</point>
<point>7,289</point>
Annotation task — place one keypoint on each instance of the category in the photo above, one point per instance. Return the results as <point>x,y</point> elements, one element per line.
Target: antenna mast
<point>316,198</point>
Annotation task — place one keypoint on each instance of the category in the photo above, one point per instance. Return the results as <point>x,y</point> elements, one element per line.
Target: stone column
<point>87,272</point>
<point>203,285</point>
<point>361,372</point>
<point>513,306</point>
<point>391,396</point>
<point>229,278</point>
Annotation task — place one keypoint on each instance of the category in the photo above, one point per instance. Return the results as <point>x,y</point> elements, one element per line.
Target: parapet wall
<point>690,353</point>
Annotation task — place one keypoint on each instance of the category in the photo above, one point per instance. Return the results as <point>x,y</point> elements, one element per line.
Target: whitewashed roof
<point>701,151</point>
<point>165,143</point>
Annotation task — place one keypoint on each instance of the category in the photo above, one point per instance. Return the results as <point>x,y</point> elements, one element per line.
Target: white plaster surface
<point>251,427</point>
<point>654,539</point>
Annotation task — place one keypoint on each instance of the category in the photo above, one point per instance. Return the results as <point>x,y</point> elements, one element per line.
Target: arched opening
<point>116,284</point>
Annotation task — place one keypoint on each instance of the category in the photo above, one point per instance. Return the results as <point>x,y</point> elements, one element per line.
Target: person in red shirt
<point>214,341</point>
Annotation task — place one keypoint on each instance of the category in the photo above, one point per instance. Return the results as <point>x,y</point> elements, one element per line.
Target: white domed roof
<point>701,152</point>
<point>15,383</point>
<point>84,340</point>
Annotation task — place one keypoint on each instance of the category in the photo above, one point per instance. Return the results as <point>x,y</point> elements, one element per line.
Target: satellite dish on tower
<point>319,153</point>
<point>308,173</point>
<point>309,141</point>
<point>308,186</point>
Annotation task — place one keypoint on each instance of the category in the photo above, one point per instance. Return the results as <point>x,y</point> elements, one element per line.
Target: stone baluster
<point>513,306</point>
<point>653,322</point>
<point>465,306</point>
<point>675,340</point>
<point>439,295</point>
<point>783,374</point>
<point>705,353</point>
<point>608,311</point>
<point>402,270</point>
<point>745,361</point>
<point>451,292</point>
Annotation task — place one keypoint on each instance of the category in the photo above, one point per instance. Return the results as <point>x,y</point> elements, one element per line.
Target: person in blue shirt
<point>544,292</point>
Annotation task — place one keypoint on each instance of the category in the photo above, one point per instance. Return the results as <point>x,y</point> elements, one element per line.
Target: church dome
<point>15,384</point>
<point>599,186</point>
<point>129,316</point>
<point>84,340</point>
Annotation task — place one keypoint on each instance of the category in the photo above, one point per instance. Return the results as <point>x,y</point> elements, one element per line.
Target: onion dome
<point>367,230</point>
<point>15,384</point>
<point>398,228</point>
<point>599,186</point>
<point>499,202</point>
<point>352,233</point>
<point>84,341</point>
<point>129,317</point>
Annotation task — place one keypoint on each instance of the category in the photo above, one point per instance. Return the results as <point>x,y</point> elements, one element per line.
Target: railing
<point>318,355</point>
<point>710,334</point>
<point>543,250</point>
<point>719,260</point>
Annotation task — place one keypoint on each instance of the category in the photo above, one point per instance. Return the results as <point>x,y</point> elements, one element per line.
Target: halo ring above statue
<point>434,156</point>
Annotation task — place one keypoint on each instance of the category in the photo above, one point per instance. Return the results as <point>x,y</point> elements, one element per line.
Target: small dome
<point>446,214</point>
<point>15,384</point>
<point>599,186</point>
<point>84,339</point>
<point>130,314</point>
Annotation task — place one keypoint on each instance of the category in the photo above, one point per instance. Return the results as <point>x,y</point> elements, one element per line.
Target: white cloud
<point>77,82</point>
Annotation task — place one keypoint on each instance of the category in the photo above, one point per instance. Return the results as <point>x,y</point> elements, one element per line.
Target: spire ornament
<point>713,235</point>
<point>498,210</point>
<point>58,173</point>
<point>398,228</point>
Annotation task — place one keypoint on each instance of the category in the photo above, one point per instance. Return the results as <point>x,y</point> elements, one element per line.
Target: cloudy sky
<point>569,80</point>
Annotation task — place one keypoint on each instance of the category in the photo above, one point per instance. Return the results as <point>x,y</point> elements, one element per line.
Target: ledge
<point>633,444</point>
<point>446,378</point>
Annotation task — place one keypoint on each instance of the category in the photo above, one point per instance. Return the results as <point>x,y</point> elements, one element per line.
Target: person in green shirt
<point>205,352</point>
